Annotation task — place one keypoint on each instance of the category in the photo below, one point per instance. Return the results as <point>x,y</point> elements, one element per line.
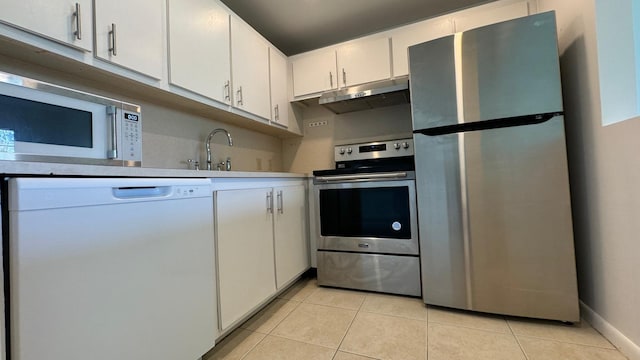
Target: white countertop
<point>39,168</point>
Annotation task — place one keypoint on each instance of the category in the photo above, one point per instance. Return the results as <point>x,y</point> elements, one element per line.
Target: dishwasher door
<point>111,269</point>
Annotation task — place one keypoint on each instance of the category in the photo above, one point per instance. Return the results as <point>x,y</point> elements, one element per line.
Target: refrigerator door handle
<point>466,231</point>
<point>489,124</point>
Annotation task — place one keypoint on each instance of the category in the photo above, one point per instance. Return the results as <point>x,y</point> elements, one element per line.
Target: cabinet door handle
<point>77,15</point>
<point>280,203</point>
<point>112,40</point>
<point>331,79</point>
<point>344,77</point>
<point>227,91</point>
<point>276,112</point>
<point>240,101</point>
<point>270,202</point>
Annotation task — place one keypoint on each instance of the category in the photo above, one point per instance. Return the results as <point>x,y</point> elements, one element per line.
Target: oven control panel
<point>374,150</point>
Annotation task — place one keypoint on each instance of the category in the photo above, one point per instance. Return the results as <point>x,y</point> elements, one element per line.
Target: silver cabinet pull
<point>344,77</point>
<point>112,40</point>
<point>112,152</point>
<point>331,79</point>
<point>270,202</point>
<point>227,91</point>
<point>276,112</point>
<point>240,101</point>
<point>77,15</point>
<point>280,203</point>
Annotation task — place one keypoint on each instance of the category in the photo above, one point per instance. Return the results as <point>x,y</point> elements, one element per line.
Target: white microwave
<point>49,123</point>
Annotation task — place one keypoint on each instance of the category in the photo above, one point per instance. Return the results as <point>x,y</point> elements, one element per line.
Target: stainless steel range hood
<point>367,96</point>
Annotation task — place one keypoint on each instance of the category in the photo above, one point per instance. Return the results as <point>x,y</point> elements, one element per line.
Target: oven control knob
<point>396,146</point>
<point>405,145</point>
<point>349,150</point>
<point>341,151</point>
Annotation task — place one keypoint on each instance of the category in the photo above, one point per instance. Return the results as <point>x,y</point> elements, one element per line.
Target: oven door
<point>371,213</point>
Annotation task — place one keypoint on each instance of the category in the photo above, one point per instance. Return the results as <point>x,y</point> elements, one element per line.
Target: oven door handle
<point>362,177</point>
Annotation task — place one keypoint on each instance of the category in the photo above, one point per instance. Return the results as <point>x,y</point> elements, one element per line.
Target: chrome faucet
<point>208,146</point>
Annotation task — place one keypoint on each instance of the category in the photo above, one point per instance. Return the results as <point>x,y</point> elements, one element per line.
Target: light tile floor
<point>308,322</point>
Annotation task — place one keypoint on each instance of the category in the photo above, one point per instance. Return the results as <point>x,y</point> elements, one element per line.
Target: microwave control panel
<point>131,136</point>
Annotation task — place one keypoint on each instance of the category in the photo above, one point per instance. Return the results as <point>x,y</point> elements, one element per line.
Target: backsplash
<point>324,129</point>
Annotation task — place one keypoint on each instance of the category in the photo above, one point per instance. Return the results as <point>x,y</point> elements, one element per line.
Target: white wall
<point>605,173</point>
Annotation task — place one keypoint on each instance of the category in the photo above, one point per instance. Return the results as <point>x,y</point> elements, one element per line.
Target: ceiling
<point>296,26</point>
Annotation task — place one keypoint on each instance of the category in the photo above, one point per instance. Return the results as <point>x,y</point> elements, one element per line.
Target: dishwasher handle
<point>130,192</point>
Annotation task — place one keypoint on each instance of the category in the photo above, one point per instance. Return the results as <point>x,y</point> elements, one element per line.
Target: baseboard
<point>623,343</point>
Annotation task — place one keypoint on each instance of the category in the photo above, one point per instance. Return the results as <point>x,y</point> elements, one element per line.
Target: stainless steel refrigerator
<point>494,210</point>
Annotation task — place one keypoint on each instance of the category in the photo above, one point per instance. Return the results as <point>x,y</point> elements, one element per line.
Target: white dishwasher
<point>111,269</point>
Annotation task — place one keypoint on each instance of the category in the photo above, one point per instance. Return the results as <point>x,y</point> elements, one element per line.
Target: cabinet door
<point>57,20</point>
<point>364,61</point>
<point>199,55</point>
<point>413,34</point>
<point>314,72</point>
<point>291,247</point>
<point>244,241</point>
<point>137,42</point>
<point>480,17</point>
<point>250,70</point>
<point>279,98</point>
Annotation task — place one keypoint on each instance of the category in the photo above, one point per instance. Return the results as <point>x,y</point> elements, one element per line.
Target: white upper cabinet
<point>279,94</point>
<point>199,55</point>
<point>409,35</point>
<point>314,72</point>
<point>352,63</point>
<point>250,70</point>
<point>363,61</point>
<point>489,14</point>
<point>130,33</point>
<point>67,22</point>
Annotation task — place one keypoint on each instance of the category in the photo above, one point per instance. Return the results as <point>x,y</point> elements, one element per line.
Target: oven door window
<point>382,212</point>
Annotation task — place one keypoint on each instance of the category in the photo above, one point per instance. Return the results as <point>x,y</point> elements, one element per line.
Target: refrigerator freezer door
<point>500,71</point>
<point>495,221</point>
<point>432,83</point>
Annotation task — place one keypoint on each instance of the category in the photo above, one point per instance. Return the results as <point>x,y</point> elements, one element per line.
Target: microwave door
<point>45,123</point>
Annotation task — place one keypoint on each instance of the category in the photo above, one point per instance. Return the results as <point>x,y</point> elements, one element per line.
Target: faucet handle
<point>228,164</point>
<point>195,163</point>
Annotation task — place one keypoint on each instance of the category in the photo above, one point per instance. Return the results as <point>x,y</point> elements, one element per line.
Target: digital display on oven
<point>372,148</point>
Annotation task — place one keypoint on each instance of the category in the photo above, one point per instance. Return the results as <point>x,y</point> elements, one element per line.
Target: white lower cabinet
<point>261,245</point>
<point>289,228</point>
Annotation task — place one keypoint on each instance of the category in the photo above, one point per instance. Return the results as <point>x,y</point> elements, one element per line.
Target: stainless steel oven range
<point>367,232</point>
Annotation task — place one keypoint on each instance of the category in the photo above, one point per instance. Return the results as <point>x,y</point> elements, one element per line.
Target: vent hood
<point>367,96</point>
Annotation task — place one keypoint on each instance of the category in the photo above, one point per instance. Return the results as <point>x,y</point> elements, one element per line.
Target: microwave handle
<point>112,151</point>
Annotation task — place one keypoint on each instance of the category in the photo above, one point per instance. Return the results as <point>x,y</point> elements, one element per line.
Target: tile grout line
<point>349,327</point>
<point>570,343</point>
<point>426,340</point>
<point>440,323</point>
<point>270,331</point>
<point>517,339</point>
